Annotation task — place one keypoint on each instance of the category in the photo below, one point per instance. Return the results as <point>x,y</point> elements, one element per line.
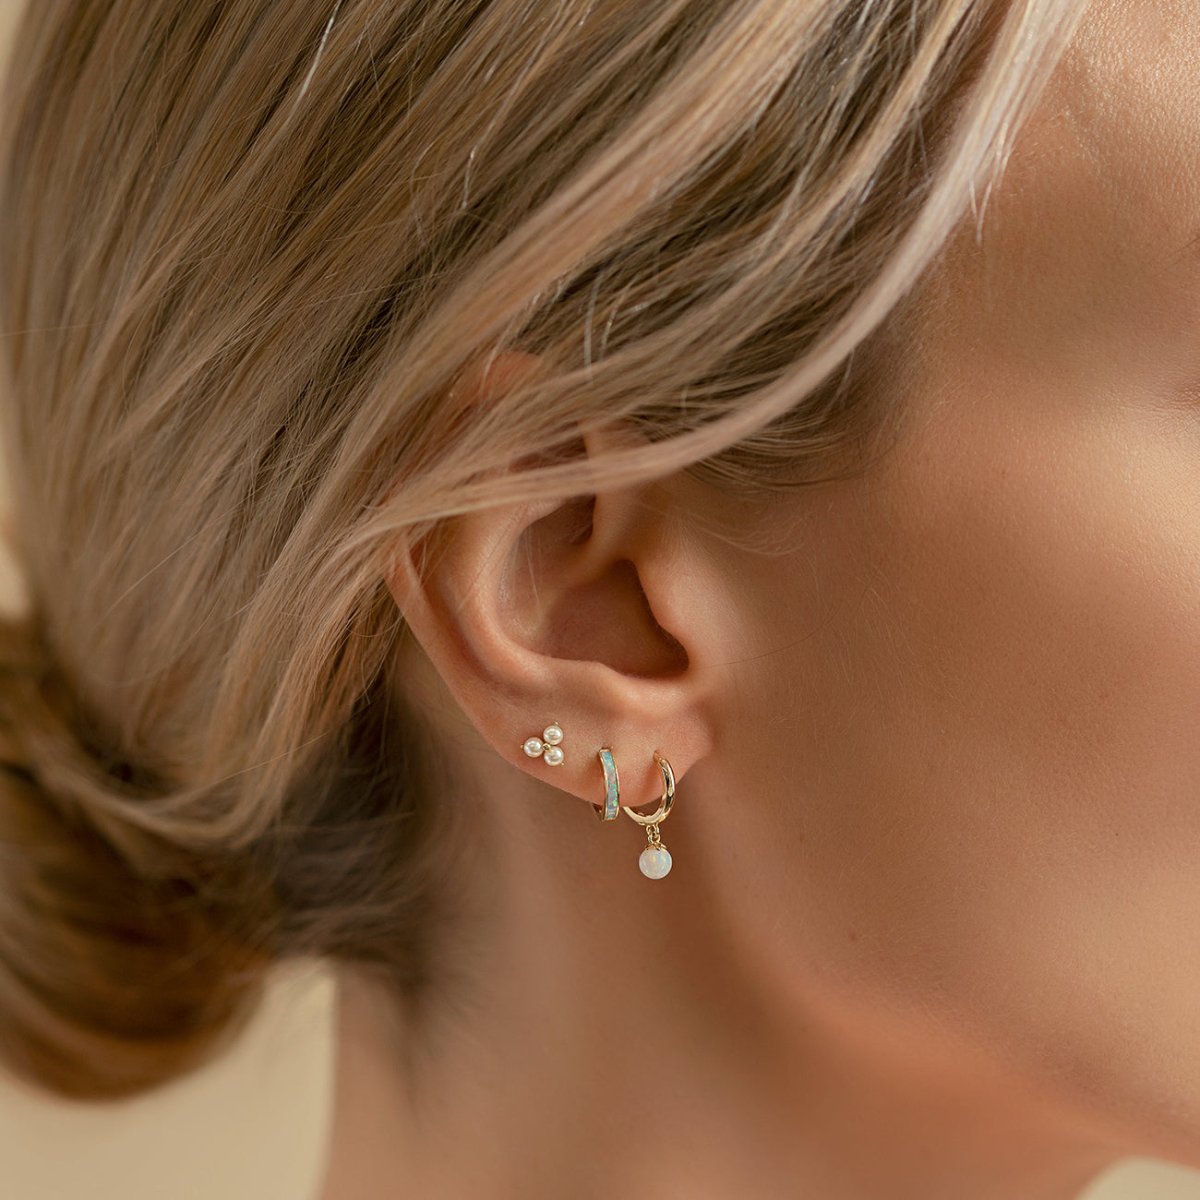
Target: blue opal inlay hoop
<point>612,786</point>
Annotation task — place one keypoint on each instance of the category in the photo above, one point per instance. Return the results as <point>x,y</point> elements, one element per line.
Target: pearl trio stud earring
<point>547,746</point>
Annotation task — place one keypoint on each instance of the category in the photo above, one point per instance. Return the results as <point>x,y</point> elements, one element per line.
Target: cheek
<point>1040,583</point>
<point>1009,782</point>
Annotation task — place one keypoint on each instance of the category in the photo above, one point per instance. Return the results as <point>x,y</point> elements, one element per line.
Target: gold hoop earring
<point>655,859</point>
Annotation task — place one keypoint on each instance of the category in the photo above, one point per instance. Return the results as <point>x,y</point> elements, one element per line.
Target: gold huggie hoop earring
<point>655,859</point>
<point>612,786</point>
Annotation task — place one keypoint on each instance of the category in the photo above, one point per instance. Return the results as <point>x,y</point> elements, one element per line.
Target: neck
<point>617,1038</point>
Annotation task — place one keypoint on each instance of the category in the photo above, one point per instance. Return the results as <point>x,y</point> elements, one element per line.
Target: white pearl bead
<point>655,862</point>
<point>552,734</point>
<point>553,755</point>
<point>533,747</point>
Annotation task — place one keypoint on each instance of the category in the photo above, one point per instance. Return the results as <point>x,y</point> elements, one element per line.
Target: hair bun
<point>112,979</point>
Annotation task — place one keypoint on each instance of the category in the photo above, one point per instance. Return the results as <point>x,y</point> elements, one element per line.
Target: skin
<point>931,927</point>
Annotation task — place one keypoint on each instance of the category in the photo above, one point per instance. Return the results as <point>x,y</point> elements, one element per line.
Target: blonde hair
<point>246,252</point>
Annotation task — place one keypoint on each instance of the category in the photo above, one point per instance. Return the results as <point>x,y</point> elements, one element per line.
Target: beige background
<point>254,1125</point>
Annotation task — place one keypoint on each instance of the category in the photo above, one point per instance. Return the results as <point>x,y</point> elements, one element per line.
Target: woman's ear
<point>572,612</point>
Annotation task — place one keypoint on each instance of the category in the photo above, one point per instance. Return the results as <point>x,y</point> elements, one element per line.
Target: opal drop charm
<point>655,860</point>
